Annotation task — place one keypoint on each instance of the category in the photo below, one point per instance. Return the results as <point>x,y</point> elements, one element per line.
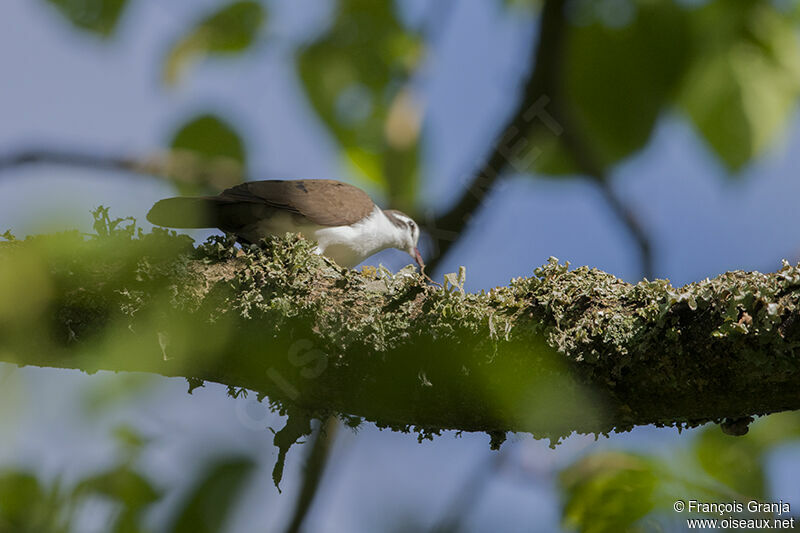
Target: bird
<point>343,220</point>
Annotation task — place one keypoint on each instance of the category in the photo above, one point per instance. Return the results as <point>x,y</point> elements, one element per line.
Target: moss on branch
<point>560,351</point>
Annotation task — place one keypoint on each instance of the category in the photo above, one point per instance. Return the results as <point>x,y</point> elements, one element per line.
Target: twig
<point>179,166</point>
<point>318,455</point>
<point>471,493</point>
<point>68,158</point>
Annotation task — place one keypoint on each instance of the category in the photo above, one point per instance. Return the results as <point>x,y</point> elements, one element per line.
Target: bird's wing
<point>323,202</point>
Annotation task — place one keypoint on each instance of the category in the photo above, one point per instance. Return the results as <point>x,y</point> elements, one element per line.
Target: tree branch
<point>558,352</point>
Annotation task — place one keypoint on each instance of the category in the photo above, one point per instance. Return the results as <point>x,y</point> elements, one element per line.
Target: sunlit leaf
<point>230,30</point>
<point>356,77</point>
<point>775,429</point>
<point>608,492</point>
<point>746,80</point>
<point>734,461</point>
<point>213,496</point>
<point>207,154</point>
<point>97,16</point>
<point>618,491</point>
<point>739,462</point>
<point>620,74</point>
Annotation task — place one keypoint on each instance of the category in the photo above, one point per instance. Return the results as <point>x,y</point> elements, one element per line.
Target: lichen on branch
<point>560,351</point>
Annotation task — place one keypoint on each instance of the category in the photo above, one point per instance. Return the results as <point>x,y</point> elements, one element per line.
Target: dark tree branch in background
<point>182,167</point>
<point>541,111</point>
<point>545,54</point>
<point>580,149</point>
<point>67,158</point>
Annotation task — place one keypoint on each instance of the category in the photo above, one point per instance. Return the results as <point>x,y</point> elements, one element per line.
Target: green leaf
<point>356,77</point>
<point>618,80</point>
<point>97,16</point>
<point>228,31</point>
<point>746,79</point>
<point>619,491</point>
<point>122,485</point>
<point>207,155</point>
<point>608,492</point>
<point>131,491</point>
<point>213,496</point>
<point>21,499</point>
<point>210,136</point>
<point>738,462</point>
<point>734,461</point>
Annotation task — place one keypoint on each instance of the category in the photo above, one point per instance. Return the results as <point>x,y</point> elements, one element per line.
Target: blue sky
<point>61,88</point>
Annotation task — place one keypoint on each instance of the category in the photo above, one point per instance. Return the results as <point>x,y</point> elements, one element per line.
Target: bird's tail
<point>184,213</point>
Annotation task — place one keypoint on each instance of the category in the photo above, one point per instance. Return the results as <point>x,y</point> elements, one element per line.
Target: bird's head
<point>408,234</point>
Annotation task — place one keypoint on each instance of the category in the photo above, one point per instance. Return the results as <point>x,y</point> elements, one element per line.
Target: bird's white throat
<point>350,245</point>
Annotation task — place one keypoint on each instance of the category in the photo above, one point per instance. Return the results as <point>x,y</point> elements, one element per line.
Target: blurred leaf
<point>775,429</point>
<point>746,79</point>
<point>213,496</point>
<point>26,290</point>
<point>120,484</point>
<point>356,76</point>
<point>207,154</point>
<point>20,496</point>
<point>210,136</point>
<point>129,440</point>
<point>128,489</point>
<point>608,492</point>
<point>230,30</point>
<point>613,491</point>
<point>97,16</point>
<point>734,461</point>
<point>110,391</point>
<point>739,462</point>
<point>618,79</point>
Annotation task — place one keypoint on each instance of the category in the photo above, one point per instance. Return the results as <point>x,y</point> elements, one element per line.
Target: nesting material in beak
<point>418,258</point>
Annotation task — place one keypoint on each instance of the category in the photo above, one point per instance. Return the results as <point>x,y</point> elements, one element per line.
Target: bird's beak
<point>418,258</point>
